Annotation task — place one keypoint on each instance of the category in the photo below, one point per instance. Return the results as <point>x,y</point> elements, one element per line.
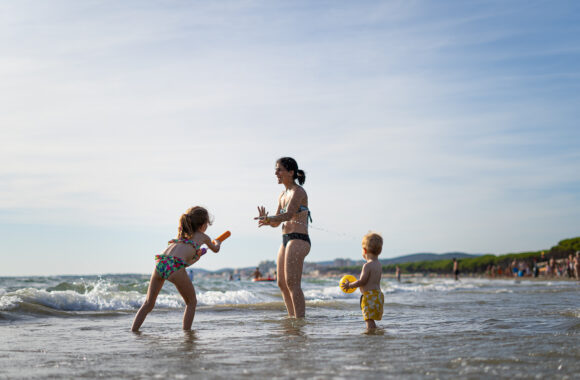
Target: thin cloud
<point>443,126</point>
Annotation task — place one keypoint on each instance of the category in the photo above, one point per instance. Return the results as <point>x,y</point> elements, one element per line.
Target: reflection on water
<point>293,326</point>
<point>189,339</point>
<point>378,331</point>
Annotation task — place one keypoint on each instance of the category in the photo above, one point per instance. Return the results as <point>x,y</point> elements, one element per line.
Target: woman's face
<point>283,175</point>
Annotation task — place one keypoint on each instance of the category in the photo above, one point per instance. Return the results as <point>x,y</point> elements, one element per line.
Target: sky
<point>443,125</point>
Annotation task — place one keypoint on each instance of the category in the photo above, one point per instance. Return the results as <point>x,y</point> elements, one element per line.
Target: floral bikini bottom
<point>167,265</point>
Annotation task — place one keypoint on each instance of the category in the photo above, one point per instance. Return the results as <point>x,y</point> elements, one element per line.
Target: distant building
<point>309,267</point>
<point>267,266</point>
<point>343,262</point>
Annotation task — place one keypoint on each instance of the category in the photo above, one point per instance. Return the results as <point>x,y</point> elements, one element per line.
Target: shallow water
<point>71,327</point>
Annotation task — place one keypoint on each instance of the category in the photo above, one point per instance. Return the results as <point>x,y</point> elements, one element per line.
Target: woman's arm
<point>264,219</point>
<point>295,201</point>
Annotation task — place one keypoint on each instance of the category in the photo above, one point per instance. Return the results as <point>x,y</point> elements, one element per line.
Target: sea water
<point>79,327</point>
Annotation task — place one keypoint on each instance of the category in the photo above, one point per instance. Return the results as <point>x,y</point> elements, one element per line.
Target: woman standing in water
<point>293,214</point>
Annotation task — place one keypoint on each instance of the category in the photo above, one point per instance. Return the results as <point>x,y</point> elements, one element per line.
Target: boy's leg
<point>183,284</point>
<point>155,285</point>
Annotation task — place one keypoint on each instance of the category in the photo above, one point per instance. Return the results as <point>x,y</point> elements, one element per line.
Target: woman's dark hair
<point>290,164</point>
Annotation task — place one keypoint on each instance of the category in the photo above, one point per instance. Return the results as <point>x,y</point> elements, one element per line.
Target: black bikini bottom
<point>294,235</point>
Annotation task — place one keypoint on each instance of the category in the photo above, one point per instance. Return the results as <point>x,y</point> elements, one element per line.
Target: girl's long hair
<point>191,221</point>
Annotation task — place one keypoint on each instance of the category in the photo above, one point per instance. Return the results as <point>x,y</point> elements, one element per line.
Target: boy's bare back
<point>373,269</point>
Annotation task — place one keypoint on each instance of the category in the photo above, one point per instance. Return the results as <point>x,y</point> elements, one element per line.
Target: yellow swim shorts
<point>371,304</point>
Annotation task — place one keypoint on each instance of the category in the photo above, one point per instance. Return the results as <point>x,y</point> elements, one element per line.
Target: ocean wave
<point>326,293</point>
<point>9,302</point>
<point>103,295</point>
<point>127,293</point>
<point>234,297</point>
<point>335,293</point>
<point>70,300</point>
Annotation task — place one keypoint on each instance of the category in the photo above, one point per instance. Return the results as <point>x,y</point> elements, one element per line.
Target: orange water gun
<point>220,238</point>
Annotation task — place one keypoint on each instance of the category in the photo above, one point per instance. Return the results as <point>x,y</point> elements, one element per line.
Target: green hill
<point>427,257</point>
<point>481,263</point>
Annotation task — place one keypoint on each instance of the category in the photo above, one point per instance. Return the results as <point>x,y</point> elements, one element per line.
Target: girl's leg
<point>183,284</point>
<point>155,285</point>
<point>296,251</point>
<point>280,269</point>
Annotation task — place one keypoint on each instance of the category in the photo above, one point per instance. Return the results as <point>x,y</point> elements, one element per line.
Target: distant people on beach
<point>514,268</point>
<point>455,269</point>
<point>293,214</point>
<point>536,268</point>
<point>170,265</point>
<point>544,266</point>
<point>398,273</point>
<point>551,269</point>
<point>257,274</point>
<point>570,266</point>
<point>577,265</point>
<point>369,282</point>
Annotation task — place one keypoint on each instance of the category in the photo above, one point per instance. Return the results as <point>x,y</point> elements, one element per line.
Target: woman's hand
<point>262,217</point>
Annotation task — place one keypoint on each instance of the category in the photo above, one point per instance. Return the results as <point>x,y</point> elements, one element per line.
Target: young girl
<point>171,264</point>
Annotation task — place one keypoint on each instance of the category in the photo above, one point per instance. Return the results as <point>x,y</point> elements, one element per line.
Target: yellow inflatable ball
<point>348,278</point>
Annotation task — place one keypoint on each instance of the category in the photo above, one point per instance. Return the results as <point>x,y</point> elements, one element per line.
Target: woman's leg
<point>281,279</point>
<point>296,251</point>
<point>155,285</point>
<point>183,284</point>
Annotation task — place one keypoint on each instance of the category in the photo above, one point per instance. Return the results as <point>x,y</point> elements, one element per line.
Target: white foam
<point>72,301</point>
<point>9,302</point>
<point>235,297</point>
<point>326,293</point>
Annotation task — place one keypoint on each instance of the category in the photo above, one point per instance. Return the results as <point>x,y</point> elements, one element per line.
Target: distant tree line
<point>478,264</point>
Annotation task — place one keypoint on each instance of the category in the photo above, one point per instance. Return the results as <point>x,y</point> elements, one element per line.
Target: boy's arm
<point>365,274</point>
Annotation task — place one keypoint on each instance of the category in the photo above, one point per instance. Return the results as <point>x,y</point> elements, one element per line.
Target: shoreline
<point>450,276</point>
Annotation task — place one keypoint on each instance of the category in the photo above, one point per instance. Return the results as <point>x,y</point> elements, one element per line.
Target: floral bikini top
<point>199,252</point>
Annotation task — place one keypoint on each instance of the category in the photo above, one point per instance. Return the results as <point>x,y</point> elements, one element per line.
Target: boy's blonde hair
<point>373,243</point>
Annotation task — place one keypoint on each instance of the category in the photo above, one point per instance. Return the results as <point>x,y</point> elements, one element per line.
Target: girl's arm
<point>211,245</point>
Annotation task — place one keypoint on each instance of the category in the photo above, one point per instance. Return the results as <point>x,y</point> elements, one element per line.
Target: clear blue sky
<point>444,125</point>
